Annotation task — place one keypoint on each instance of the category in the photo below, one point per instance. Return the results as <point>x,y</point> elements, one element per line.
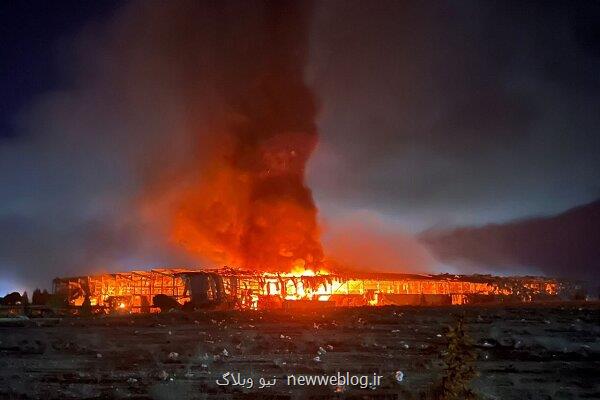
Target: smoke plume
<point>179,137</point>
<point>244,201</point>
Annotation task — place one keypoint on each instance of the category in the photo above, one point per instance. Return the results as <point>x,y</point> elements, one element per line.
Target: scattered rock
<point>163,375</point>
<point>279,362</point>
<point>488,342</point>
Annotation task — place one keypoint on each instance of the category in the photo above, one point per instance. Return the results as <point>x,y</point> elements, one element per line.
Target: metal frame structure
<point>246,289</point>
<point>134,289</point>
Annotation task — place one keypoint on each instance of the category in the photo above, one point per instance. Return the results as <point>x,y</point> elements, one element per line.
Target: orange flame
<point>239,197</point>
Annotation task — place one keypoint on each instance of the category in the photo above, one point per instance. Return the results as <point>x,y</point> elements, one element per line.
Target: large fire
<point>242,199</point>
<point>228,288</point>
<point>291,290</point>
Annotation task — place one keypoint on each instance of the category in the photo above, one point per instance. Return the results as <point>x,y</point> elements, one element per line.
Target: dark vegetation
<point>459,358</point>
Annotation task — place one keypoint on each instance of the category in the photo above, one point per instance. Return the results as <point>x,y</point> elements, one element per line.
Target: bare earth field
<point>523,352</point>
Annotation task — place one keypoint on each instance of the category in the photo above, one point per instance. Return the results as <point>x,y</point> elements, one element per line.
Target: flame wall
<point>243,289</point>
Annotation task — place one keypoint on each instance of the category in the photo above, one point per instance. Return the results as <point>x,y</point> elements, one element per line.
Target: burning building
<point>229,288</point>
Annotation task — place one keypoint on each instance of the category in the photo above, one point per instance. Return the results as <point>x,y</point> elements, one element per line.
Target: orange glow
<point>244,203</point>
<point>298,270</point>
<point>134,291</point>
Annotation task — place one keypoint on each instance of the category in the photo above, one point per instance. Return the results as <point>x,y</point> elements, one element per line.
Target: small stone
<point>163,375</point>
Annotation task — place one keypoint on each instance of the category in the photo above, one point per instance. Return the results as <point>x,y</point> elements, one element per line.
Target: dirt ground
<point>523,352</point>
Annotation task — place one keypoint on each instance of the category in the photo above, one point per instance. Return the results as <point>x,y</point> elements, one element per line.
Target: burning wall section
<point>228,288</point>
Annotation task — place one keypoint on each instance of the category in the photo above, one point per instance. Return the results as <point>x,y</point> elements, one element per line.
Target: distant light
<point>7,285</point>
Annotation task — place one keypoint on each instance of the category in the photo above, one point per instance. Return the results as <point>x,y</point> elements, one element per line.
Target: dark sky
<point>32,33</point>
<point>458,112</point>
<point>433,114</point>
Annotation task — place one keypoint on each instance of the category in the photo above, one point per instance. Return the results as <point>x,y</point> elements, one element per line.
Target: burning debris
<point>228,288</point>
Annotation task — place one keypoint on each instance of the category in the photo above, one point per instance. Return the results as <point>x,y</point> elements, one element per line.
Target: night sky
<point>34,34</point>
<point>432,116</point>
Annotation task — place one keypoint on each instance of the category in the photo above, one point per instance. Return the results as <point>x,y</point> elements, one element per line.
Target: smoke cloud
<point>244,201</point>
<point>564,245</point>
<point>182,131</point>
<point>180,138</point>
<point>365,241</point>
<point>456,113</point>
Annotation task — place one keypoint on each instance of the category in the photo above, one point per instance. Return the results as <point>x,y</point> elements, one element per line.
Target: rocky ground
<point>523,352</point>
